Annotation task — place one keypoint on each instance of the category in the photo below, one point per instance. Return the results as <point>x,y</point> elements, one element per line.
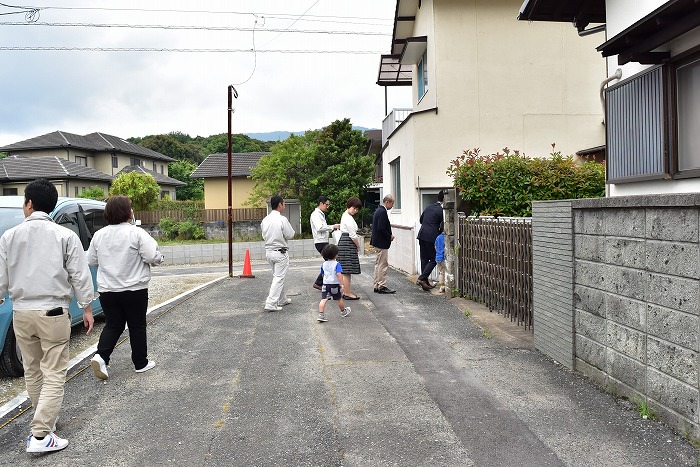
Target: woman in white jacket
<point>124,254</point>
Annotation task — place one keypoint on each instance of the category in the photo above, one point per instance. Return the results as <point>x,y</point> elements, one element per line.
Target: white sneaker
<point>149,365</point>
<point>345,312</point>
<point>273,308</point>
<point>51,442</point>
<point>284,302</point>
<point>322,317</point>
<point>99,367</point>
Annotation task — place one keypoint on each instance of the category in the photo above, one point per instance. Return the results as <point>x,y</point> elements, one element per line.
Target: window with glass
<point>95,220</point>
<point>81,160</point>
<point>115,162</point>
<point>70,221</point>
<point>135,161</point>
<point>428,197</point>
<point>688,114</point>
<point>395,169</point>
<point>9,191</point>
<point>422,75</point>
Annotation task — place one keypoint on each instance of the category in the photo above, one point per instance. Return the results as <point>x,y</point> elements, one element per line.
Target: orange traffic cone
<point>247,270</point>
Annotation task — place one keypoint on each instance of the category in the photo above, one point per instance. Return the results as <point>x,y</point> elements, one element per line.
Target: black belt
<point>282,250</point>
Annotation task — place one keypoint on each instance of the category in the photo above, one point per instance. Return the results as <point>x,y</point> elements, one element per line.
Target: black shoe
<point>424,284</point>
<point>318,287</point>
<point>384,289</point>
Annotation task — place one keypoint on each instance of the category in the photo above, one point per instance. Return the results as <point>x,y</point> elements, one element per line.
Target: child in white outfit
<point>332,282</point>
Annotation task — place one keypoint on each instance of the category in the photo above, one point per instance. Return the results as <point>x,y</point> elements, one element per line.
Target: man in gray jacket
<point>276,230</point>
<point>41,265</point>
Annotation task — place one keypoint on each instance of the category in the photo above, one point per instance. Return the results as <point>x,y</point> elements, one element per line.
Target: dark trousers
<point>122,308</point>
<point>427,259</point>
<point>319,248</point>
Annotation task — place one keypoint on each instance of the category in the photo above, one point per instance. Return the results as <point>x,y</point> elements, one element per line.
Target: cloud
<point>139,93</point>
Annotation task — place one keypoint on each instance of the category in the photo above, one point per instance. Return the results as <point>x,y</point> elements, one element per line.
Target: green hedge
<point>506,183</point>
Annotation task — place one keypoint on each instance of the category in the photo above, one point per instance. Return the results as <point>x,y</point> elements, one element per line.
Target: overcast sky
<point>138,93</point>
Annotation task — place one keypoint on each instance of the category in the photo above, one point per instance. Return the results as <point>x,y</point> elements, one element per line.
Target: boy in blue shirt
<point>332,279</point>
<point>440,260</point>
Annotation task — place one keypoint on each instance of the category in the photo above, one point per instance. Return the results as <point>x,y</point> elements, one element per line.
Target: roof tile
<point>30,168</point>
<point>216,165</point>
<point>96,142</point>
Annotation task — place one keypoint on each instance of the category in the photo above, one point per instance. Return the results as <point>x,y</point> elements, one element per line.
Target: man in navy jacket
<point>381,239</point>
<point>431,225</point>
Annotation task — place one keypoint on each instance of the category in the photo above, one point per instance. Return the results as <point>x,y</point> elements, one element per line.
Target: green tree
<point>93,193</point>
<point>332,161</point>
<point>239,143</point>
<point>175,145</point>
<point>181,170</point>
<point>182,146</point>
<point>141,188</point>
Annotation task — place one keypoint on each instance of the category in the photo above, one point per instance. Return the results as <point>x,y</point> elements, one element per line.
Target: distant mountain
<point>282,135</point>
<point>273,135</point>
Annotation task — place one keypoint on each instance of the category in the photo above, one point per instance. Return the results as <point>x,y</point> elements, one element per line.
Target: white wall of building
<point>620,15</point>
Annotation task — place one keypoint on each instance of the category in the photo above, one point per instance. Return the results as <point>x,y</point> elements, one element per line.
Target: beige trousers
<point>381,265</point>
<point>43,341</point>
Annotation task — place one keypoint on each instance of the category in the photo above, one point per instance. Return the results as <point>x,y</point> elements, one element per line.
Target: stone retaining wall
<point>636,288</point>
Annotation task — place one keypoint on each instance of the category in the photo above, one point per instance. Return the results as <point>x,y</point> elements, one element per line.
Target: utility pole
<point>232,93</point>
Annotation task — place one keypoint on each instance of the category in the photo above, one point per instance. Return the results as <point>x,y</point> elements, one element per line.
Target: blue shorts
<point>331,291</point>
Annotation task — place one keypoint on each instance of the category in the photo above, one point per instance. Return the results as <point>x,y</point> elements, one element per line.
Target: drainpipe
<point>617,75</point>
<point>587,32</point>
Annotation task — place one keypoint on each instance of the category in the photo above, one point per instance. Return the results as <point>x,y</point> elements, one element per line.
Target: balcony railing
<point>391,121</point>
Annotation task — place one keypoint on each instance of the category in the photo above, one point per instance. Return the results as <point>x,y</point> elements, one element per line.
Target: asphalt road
<point>167,282</point>
<point>406,379</point>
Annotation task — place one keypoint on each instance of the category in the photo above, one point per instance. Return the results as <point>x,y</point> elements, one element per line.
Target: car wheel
<point>11,357</point>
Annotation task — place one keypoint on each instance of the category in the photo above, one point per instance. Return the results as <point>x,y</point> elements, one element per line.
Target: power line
<point>197,28</point>
<point>165,49</point>
<point>160,10</point>
<point>30,14</point>
<point>293,22</point>
<point>217,12</point>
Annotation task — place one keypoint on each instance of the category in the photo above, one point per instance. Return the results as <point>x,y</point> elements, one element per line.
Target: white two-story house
<point>652,56</point>
<point>480,79</point>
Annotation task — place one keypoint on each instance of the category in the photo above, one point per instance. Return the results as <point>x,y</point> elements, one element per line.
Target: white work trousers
<point>280,263</point>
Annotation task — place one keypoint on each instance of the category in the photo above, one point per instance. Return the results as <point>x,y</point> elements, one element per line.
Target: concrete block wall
<point>636,300</point>
<point>552,280</point>
<point>619,280</point>
<point>218,252</point>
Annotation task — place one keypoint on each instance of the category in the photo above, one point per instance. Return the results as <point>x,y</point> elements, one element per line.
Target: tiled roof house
<point>74,163</point>
<point>214,171</point>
